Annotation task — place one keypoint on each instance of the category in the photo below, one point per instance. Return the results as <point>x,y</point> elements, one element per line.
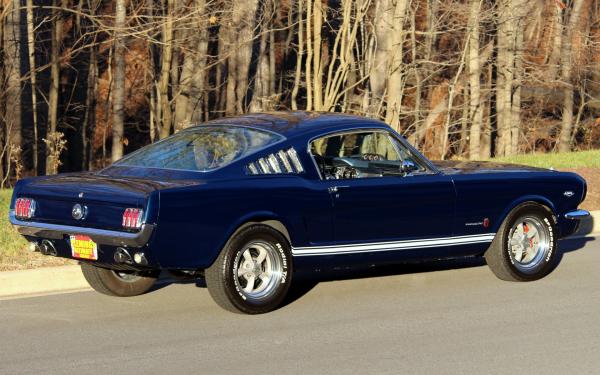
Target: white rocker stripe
<point>392,246</point>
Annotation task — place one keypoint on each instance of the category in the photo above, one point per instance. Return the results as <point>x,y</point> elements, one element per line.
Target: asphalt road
<point>451,317</point>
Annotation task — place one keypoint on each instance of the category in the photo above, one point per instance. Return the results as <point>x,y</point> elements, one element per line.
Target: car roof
<point>292,124</point>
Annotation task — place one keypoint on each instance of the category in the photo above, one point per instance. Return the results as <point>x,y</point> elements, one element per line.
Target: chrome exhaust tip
<point>47,248</point>
<point>34,246</point>
<point>140,258</point>
<point>122,256</point>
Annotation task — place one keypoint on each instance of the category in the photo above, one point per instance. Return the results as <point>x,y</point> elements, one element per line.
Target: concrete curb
<point>41,281</point>
<point>64,279</point>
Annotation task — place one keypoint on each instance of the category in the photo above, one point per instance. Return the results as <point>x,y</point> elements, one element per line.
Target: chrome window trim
<point>252,168</point>
<point>272,163</point>
<point>263,165</point>
<point>395,143</point>
<point>285,160</point>
<point>294,157</point>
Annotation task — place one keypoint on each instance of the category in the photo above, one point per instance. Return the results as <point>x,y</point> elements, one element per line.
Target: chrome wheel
<point>257,270</point>
<point>528,243</point>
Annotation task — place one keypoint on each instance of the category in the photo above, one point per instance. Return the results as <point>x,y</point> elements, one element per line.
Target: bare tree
<point>12,92</point>
<point>239,36</point>
<point>32,78</point>
<point>55,64</point>
<point>118,91</point>
<point>564,142</point>
<point>475,105</point>
<point>299,54</point>
<point>191,80</point>
<point>395,87</point>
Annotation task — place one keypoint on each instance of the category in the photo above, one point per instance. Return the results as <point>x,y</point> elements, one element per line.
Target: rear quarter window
<point>202,148</point>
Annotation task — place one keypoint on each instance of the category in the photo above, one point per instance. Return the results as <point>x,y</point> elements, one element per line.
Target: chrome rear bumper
<point>577,214</point>
<point>100,236</point>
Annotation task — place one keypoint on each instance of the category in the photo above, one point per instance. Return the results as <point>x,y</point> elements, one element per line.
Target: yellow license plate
<point>82,247</point>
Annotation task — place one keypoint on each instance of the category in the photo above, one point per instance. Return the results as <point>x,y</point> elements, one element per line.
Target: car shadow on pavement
<point>305,282</point>
<point>573,244</point>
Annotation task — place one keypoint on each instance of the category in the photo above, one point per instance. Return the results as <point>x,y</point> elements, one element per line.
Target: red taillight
<point>25,208</point>
<point>132,218</point>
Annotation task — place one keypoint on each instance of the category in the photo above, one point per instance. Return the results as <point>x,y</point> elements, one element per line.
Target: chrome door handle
<point>335,189</point>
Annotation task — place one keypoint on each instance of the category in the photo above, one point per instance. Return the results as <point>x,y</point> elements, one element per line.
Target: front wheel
<point>118,283</point>
<point>525,246</point>
<point>253,272</point>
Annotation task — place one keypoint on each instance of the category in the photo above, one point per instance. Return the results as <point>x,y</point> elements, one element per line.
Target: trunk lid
<point>105,198</point>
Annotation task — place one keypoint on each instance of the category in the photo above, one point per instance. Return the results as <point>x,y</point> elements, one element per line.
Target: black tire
<point>502,261</point>
<point>223,280</point>
<point>116,283</point>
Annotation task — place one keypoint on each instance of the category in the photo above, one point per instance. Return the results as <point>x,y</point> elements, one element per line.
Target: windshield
<point>203,148</point>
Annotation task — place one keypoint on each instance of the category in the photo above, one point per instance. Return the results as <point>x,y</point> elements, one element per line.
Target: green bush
<point>13,247</point>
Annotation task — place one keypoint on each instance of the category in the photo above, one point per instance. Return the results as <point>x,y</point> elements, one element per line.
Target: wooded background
<point>85,81</point>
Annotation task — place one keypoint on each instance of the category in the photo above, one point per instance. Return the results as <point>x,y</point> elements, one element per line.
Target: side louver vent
<point>280,162</point>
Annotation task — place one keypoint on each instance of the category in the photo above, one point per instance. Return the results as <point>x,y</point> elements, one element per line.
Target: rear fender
<point>262,217</point>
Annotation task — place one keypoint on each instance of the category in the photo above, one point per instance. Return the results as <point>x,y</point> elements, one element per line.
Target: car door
<point>374,201</point>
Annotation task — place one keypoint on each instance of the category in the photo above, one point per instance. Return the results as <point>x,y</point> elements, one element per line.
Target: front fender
<point>524,199</point>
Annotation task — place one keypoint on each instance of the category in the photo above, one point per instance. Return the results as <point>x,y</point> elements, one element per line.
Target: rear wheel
<point>118,283</point>
<point>525,246</point>
<point>252,274</point>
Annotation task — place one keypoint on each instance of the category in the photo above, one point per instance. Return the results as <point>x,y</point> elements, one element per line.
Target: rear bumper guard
<point>100,236</point>
<point>577,214</point>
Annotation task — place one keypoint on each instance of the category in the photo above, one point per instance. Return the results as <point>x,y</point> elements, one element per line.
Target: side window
<point>362,155</point>
<point>407,155</point>
<point>355,155</point>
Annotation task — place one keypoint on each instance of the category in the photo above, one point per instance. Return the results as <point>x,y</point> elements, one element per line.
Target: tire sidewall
<point>547,219</point>
<point>227,269</point>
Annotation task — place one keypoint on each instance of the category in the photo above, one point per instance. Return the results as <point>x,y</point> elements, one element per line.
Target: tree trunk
<point>32,80</point>
<point>53,95</point>
<point>486,139</point>
<point>383,20</point>
<point>240,36</point>
<point>89,117</point>
<point>299,55</point>
<point>165,119</point>
<point>317,63</point>
<point>197,91</point>
<point>504,81</point>
<point>564,142</point>
<point>395,87</point>
<point>557,37</point>
<point>12,75</point>
<point>515,121</point>
<point>309,56</point>
<point>475,107</point>
<point>193,64</point>
<point>2,102</point>
<point>118,92</point>
<point>519,11</point>
<point>262,84</point>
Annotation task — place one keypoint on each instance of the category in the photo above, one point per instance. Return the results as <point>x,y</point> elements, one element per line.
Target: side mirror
<point>408,166</point>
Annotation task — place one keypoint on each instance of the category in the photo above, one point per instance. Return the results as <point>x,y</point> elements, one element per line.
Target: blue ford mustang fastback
<point>247,202</point>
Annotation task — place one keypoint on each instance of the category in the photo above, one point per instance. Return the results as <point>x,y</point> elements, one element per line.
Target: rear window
<point>203,148</point>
